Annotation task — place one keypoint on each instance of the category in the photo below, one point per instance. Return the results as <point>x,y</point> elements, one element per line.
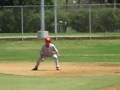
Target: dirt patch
<point>117,87</point>
<point>67,69</point>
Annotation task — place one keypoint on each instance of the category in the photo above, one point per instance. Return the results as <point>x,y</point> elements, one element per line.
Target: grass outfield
<point>11,82</point>
<point>70,50</point>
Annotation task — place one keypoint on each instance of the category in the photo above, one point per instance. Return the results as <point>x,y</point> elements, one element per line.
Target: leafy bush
<point>103,19</point>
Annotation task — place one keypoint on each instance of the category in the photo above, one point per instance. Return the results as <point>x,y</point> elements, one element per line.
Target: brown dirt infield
<point>67,69</point>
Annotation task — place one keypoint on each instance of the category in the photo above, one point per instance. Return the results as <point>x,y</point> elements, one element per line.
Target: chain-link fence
<point>72,19</point>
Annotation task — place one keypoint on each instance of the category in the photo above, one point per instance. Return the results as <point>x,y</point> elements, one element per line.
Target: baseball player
<point>48,50</point>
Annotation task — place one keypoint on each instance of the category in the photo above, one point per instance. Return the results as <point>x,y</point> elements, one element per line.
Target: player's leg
<point>37,63</point>
<point>55,57</point>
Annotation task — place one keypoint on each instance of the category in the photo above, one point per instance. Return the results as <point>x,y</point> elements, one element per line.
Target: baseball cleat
<point>34,69</point>
<point>58,68</point>
<point>43,60</point>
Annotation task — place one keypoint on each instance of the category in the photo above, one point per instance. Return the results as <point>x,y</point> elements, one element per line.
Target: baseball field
<point>85,65</point>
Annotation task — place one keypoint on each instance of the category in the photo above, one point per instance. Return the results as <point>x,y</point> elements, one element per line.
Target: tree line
<point>103,19</point>
<point>23,2</point>
<point>50,2</point>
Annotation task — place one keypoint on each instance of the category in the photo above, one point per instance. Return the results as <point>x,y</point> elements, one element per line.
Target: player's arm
<point>56,51</point>
<point>58,54</point>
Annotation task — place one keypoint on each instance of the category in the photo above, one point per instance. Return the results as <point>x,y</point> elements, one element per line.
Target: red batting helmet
<point>48,39</point>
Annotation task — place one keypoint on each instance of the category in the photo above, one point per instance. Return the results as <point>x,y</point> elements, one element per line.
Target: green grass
<point>11,82</point>
<point>70,50</point>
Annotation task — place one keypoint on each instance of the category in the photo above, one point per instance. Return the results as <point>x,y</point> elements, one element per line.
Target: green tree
<point>23,2</point>
<point>6,2</point>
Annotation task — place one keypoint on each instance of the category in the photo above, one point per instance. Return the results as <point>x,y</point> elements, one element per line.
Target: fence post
<point>42,33</point>
<point>55,18</point>
<point>90,24</point>
<point>22,31</point>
